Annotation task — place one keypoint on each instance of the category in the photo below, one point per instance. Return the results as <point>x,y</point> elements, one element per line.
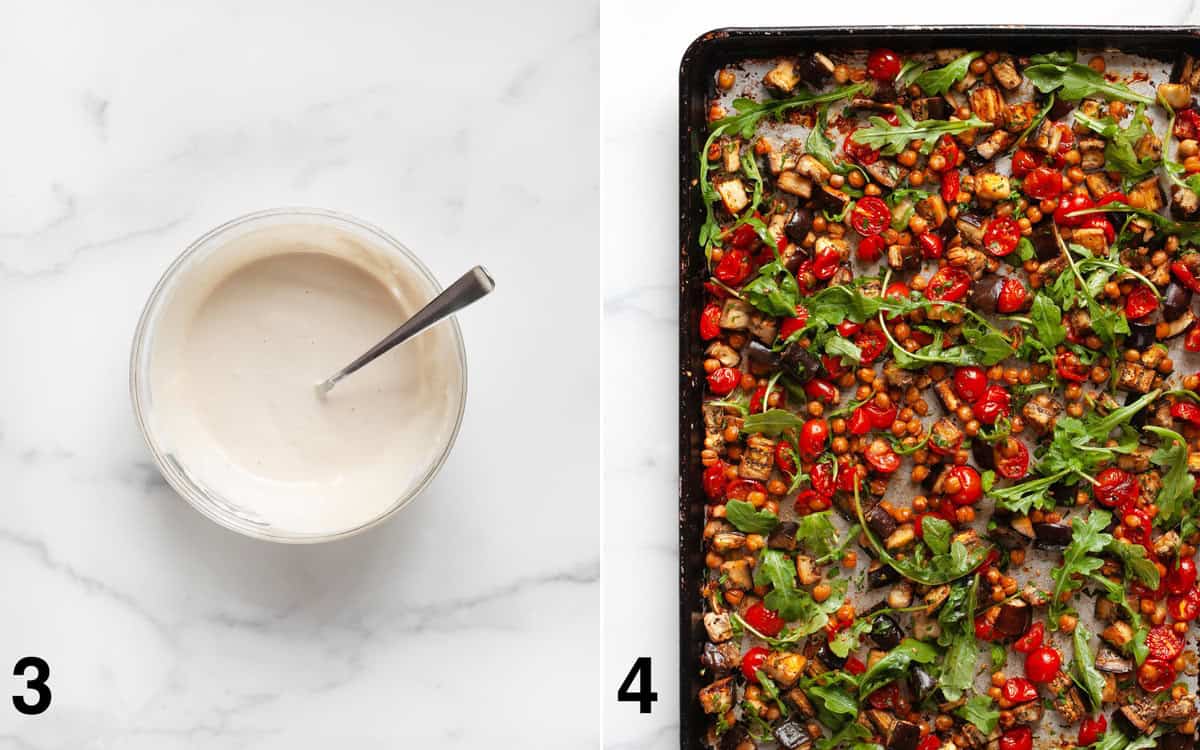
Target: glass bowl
<point>225,510</point>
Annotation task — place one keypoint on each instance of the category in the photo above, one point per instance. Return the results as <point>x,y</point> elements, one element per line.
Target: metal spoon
<point>470,287</point>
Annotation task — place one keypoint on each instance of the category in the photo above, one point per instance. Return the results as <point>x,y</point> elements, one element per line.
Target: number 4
<point>644,696</point>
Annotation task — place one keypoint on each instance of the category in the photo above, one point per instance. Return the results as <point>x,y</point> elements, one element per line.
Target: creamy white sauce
<point>242,341</point>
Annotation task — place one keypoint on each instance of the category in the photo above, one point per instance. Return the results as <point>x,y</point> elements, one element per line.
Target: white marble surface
<point>466,129</point>
<point>641,47</point>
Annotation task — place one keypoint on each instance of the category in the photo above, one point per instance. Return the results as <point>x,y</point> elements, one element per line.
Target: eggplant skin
<point>1176,300</point>
<point>1052,534</point>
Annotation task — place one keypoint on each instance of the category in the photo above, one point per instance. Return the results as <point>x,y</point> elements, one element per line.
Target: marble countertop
<point>641,48</point>
<point>466,130</point>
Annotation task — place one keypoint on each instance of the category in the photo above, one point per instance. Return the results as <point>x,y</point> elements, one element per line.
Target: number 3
<point>37,684</point>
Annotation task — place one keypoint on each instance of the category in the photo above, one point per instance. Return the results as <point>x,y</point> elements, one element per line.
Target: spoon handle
<point>470,287</point>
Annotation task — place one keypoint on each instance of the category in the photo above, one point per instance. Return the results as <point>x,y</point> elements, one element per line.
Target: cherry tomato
<point>745,236</point>
<point>950,186</point>
<point>1140,302</point>
<point>855,666</point>
<point>1185,276</point>
<point>883,65</point>
<point>1100,221</point>
<point>931,245</point>
<point>1067,205</point>
<point>790,325</point>
<point>821,478</point>
<point>943,447</point>
<point>819,389</point>
<point>1031,640</point>
<point>881,457</point>
<point>785,459</point>
<point>1112,196</point>
<point>1013,296</point>
<point>1015,466</point>
<point>1182,577</point>
<point>710,322</point>
<point>714,480</point>
<point>996,402</point>
<point>1092,730</point>
<point>1042,664</point>
<point>1115,487</point>
<point>859,152</point>
<point>766,621</point>
<point>870,249</point>
<point>1185,608</point>
<point>734,267</point>
<point>753,661</point>
<point>1191,342</point>
<point>848,328</point>
<point>1070,368</point>
<point>948,150</point>
<point>970,487</point>
<point>949,284</point>
<point>1042,183</point>
<point>859,422</point>
<point>1163,644</point>
<point>813,436</point>
<point>811,501</point>
<point>1155,676</point>
<point>723,380</point>
<point>969,383</point>
<point>1001,236</point>
<point>757,398</point>
<point>1186,411</point>
<point>1019,690</point>
<point>1024,162</point>
<point>826,262</point>
<point>1064,144</point>
<point>871,344</point>
<point>881,419</point>
<point>930,742</point>
<point>870,216</point>
<point>1187,124</point>
<point>740,489</point>
<point>833,365</point>
<point>886,698</point>
<point>985,629</point>
<point>1017,738</point>
<point>1139,534</point>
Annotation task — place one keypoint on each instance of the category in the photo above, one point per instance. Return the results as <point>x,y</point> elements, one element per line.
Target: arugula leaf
<point>1177,484</point>
<point>891,139</point>
<point>844,349</point>
<point>1047,321</point>
<point>749,519</point>
<point>894,664</point>
<point>793,604</point>
<point>957,618</point>
<point>909,71</point>
<point>847,639</point>
<point>774,290</point>
<point>999,657</point>
<point>821,146</point>
<point>834,700</point>
<point>816,532</point>
<point>1115,593</point>
<point>1087,539</point>
<point>772,422</point>
<point>980,711</point>
<point>1137,564</point>
<point>1083,665</point>
<point>1075,81</point>
<point>772,691</point>
<point>1119,152</point>
<point>1024,497</point>
<point>1062,57</point>
<point>936,534</point>
<point>940,80</point>
<point>851,731</point>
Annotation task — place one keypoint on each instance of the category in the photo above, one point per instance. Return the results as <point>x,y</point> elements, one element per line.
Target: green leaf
<point>774,290</point>
<point>851,731</point>
<point>957,618</point>
<point>833,699</point>
<point>999,657</point>
<point>1137,564</point>
<point>1075,81</point>
<point>936,534</point>
<point>816,533</point>
<point>1115,593</point>
<point>821,146</point>
<point>980,711</point>
<point>775,568</point>
<point>1088,539</point>
<point>1025,496</point>
<point>940,80</point>
<point>894,664</point>
<point>772,691</point>
<point>1120,151</point>
<point>891,139</point>
<point>772,422</point>
<point>1063,57</point>
<point>1047,322</point>
<point>749,519</point>
<point>1084,666</point>
<point>844,349</point>
<point>1177,484</point>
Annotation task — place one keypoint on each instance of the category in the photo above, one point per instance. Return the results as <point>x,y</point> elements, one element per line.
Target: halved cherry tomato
<point>1140,302</point>
<point>1187,124</point>
<point>881,418</point>
<point>757,398</point>
<point>1070,368</point>
<point>1065,142</point>
<point>948,150</point>
<point>1042,183</point>
<point>821,478</point>
<point>1092,730</point>
<point>1155,676</point>
<point>1013,296</point>
<point>859,152</point>
<point>766,621</point>
<point>1191,342</point>
<point>970,486</point>
<point>1017,738</point>
<point>745,236</point>
<point>881,457</point>
<point>740,489</point>
<point>710,322</point>
<point>1186,411</point>
<point>886,698</point>
<point>714,480</point>
<point>1100,221</point>
<point>1019,690</point>
<point>1001,236</point>
<point>833,365</point>
<point>929,742</point>
<point>1185,276</point>
<point>1115,487</point>
<point>969,383</point>
<point>1016,464</point>
<point>931,245</point>
<point>871,344</point>
<point>1139,534</point>
<point>723,380</point>
<point>733,268</point>
<point>950,186</point>
<point>1182,577</point>
<point>813,435</point>
<point>1163,644</point>
<point>819,389</point>
<point>996,402</point>
<point>985,629</point>
<point>1067,205</point>
<point>1024,162</point>
<point>826,262</point>
<point>785,459</point>
<point>883,65</point>
<point>870,249</point>
<point>870,216</point>
<point>1042,664</point>
<point>811,501</point>
<point>1185,607</point>
<point>949,284</point>
<point>859,422</point>
<point>855,666</point>
<point>753,661</point>
<point>943,447</point>
<point>848,328</point>
<point>1031,640</point>
<point>790,325</point>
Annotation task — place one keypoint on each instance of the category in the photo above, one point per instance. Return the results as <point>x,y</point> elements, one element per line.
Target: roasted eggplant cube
<point>784,667</point>
<point>717,698</point>
<point>792,735</point>
<point>758,458</point>
<point>718,627</point>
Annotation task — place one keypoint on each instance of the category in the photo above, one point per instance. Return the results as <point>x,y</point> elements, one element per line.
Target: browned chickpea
<point>726,79</point>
